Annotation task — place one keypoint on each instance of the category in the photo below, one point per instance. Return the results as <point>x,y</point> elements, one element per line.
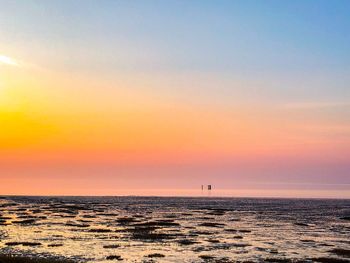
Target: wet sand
<point>153,229</point>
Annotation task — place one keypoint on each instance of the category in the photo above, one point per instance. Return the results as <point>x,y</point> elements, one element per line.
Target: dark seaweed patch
<point>206,257</point>
<point>150,236</point>
<point>160,223</point>
<point>76,224</point>
<point>213,240</point>
<point>114,257</point>
<point>24,222</point>
<point>111,246</point>
<point>341,252</point>
<point>244,231</point>
<point>100,230</point>
<point>156,255</point>
<point>231,230</point>
<point>55,245</point>
<point>277,260</point>
<point>126,220</point>
<point>187,242</point>
<point>329,260</point>
<point>17,259</point>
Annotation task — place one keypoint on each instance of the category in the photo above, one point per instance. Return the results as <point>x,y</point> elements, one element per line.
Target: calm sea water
<point>164,229</point>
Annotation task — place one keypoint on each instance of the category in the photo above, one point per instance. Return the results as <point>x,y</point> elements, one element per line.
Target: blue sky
<point>281,40</point>
<point>192,35</point>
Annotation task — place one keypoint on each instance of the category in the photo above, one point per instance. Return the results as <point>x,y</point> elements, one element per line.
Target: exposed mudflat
<point>156,229</point>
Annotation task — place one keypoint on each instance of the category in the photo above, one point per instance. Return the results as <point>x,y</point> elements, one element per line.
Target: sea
<point>176,229</point>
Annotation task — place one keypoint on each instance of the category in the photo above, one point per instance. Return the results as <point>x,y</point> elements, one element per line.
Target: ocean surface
<point>176,229</point>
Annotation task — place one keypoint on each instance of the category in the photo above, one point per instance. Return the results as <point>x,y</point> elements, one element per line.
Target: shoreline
<point>177,196</point>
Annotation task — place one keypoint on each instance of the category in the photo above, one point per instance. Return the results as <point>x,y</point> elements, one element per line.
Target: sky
<point>160,97</point>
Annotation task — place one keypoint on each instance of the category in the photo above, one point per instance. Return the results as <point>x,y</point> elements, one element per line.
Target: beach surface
<point>173,229</point>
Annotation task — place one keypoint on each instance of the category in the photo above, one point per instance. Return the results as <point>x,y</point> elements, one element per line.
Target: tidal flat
<point>166,229</point>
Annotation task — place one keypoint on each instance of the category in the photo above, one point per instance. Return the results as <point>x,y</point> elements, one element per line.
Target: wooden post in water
<point>209,189</point>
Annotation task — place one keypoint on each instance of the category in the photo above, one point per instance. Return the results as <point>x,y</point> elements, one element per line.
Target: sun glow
<point>8,61</point>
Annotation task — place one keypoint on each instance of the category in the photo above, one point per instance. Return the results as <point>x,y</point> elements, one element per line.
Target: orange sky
<point>45,130</point>
<point>148,102</point>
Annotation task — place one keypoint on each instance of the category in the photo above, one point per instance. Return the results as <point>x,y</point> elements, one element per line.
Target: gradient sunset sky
<point>160,97</point>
